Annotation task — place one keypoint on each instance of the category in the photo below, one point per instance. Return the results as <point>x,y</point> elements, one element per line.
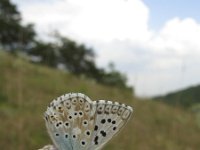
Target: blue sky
<point>162,10</point>
<point>155,42</point>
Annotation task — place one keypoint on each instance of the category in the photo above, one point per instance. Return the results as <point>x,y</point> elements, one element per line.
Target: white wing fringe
<point>48,147</point>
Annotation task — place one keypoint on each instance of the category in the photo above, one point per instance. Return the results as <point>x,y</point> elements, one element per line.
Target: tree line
<point>74,57</point>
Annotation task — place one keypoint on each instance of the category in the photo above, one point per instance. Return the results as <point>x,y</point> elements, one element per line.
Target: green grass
<point>26,90</point>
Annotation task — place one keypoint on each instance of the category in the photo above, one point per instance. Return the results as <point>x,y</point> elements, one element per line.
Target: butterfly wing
<point>110,117</point>
<point>48,147</point>
<point>70,122</point>
<point>74,122</point>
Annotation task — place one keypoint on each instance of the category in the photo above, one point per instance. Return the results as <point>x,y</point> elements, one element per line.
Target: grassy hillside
<point>26,89</point>
<point>185,98</point>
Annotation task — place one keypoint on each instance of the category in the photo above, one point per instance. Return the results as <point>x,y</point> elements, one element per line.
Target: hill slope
<point>185,98</point>
<point>26,90</point>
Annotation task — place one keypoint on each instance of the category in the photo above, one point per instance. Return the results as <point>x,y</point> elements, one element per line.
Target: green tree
<point>47,53</point>
<point>13,35</point>
<point>113,77</point>
<point>77,58</point>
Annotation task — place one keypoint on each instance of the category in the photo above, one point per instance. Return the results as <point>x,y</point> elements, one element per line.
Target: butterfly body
<point>74,122</point>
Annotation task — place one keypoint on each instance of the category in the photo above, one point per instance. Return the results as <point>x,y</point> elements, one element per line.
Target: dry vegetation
<point>26,89</point>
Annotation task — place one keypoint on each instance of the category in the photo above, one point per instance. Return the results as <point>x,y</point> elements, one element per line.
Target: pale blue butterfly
<point>74,122</point>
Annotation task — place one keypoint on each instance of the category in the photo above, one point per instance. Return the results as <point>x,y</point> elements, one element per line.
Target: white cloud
<point>155,61</point>
<point>114,19</point>
<point>169,61</point>
<point>102,20</point>
<point>178,36</point>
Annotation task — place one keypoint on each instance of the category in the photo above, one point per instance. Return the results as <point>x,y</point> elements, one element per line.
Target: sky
<point>156,43</point>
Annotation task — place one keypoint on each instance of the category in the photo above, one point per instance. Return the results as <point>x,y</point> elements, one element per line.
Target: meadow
<point>26,89</point>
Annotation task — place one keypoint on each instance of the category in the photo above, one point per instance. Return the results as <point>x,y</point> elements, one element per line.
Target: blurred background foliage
<point>63,53</point>
<point>33,72</point>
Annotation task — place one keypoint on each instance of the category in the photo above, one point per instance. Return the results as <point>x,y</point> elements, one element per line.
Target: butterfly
<point>75,122</point>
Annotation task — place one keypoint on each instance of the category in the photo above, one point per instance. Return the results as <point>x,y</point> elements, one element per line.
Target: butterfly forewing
<point>108,121</point>
<point>74,122</point>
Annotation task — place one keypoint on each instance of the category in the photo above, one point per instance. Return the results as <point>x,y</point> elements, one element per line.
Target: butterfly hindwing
<point>57,122</point>
<point>68,120</point>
